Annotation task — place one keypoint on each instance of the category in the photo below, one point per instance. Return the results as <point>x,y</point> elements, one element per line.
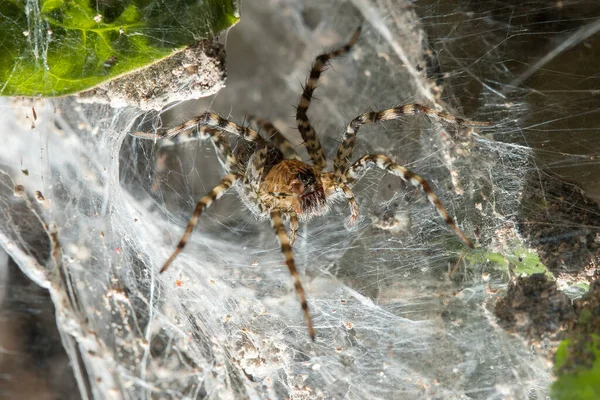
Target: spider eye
<point>307,178</point>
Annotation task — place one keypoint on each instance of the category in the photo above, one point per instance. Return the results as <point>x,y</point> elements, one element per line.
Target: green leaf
<point>524,261</point>
<point>577,366</point>
<point>59,47</point>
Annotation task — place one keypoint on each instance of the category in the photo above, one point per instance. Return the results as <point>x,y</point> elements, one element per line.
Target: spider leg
<point>293,227</point>
<point>358,169</point>
<point>204,202</point>
<point>311,141</point>
<point>353,204</point>
<point>276,137</point>
<point>251,192</point>
<point>160,168</point>
<point>255,169</point>
<point>286,249</point>
<point>211,120</point>
<point>344,152</point>
<point>220,143</point>
<point>224,153</point>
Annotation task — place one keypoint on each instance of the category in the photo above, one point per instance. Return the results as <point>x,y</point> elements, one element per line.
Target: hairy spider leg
<point>224,153</point>
<point>202,132</point>
<point>255,169</point>
<point>214,121</point>
<point>311,141</point>
<point>276,138</point>
<point>360,167</point>
<point>251,192</point>
<point>204,203</point>
<point>344,151</point>
<point>286,249</point>
<point>353,204</point>
<point>294,224</point>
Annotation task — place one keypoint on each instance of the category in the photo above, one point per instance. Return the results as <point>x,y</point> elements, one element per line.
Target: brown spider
<point>274,181</point>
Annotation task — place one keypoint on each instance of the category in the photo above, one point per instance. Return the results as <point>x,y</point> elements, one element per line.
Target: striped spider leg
<point>343,173</point>
<point>311,141</point>
<point>220,143</point>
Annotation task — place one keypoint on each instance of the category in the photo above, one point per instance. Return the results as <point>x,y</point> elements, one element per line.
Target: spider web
<point>224,321</point>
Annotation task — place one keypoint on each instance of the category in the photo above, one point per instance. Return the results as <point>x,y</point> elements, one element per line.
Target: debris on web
<point>195,72</point>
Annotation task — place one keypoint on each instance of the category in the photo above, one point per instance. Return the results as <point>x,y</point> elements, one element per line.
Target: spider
<point>274,182</point>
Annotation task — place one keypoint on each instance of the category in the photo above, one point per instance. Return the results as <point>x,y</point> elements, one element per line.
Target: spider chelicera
<point>274,182</point>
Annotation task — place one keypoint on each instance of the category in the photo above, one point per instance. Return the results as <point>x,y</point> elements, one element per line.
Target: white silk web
<point>224,321</point>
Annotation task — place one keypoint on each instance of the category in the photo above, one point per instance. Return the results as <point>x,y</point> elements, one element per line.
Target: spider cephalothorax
<point>296,187</point>
<point>274,182</point>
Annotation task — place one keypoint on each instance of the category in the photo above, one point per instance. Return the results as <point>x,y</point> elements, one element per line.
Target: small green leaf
<point>58,47</point>
<point>525,262</point>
